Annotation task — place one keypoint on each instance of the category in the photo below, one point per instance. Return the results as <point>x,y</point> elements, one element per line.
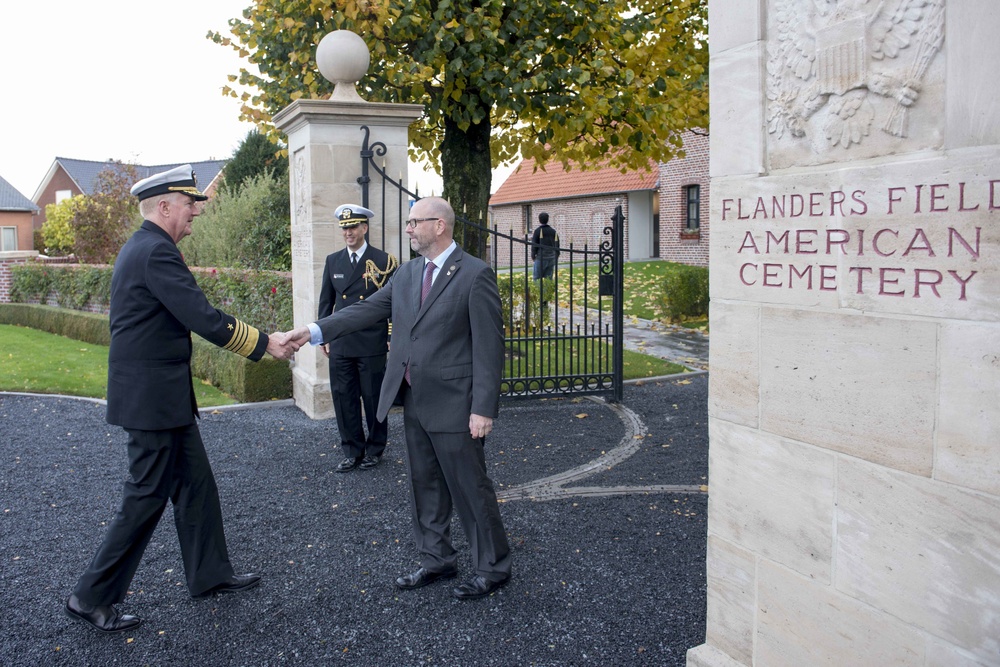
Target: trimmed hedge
<point>244,380</point>
<point>89,327</point>
<point>262,299</point>
<point>73,286</point>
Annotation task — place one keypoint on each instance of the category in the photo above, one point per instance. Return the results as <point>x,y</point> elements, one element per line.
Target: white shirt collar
<point>441,259</point>
<point>360,251</point>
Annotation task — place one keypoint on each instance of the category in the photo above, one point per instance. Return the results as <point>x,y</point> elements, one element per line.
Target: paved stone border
<point>553,487</point>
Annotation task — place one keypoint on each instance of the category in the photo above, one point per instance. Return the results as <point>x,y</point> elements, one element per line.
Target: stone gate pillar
<point>324,155</point>
<point>854,418</point>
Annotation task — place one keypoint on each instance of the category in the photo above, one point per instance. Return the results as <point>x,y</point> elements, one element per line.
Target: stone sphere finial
<point>343,58</point>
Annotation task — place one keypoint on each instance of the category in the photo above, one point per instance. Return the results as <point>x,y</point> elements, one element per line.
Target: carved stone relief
<point>844,76</point>
<point>301,187</point>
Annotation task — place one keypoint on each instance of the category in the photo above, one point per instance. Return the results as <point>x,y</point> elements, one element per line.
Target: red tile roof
<point>557,183</point>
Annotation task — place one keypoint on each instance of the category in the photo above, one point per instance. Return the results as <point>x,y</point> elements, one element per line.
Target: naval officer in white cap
<point>155,305</point>
<point>357,361</point>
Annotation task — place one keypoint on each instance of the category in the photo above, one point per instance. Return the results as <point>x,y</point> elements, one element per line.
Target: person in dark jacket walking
<point>544,248</point>
<point>155,305</point>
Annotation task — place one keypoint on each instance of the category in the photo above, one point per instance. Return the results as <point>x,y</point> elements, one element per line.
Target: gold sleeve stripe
<point>244,340</point>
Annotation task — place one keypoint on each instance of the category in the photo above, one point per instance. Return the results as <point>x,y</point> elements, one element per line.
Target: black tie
<point>354,260</point>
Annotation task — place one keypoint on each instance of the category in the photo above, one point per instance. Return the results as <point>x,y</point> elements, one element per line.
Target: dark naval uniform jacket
<point>155,305</point>
<point>343,287</point>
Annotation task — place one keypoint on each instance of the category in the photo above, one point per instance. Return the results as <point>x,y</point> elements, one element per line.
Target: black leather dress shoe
<point>370,462</point>
<point>477,587</point>
<point>235,584</point>
<point>422,577</point>
<point>103,618</point>
<point>349,464</point>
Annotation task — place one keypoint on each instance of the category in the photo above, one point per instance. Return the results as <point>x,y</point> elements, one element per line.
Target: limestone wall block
<point>804,622</point>
<point>918,237</point>
<point>971,108</point>
<point>733,24</point>
<point>736,105</point>
<point>707,655</point>
<point>773,497</point>
<point>735,356</point>
<point>860,385</point>
<point>923,551</point>
<point>940,654</point>
<point>732,587</point>
<point>968,433</point>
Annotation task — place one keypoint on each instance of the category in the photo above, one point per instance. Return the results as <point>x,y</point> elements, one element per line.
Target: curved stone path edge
<point>554,487</point>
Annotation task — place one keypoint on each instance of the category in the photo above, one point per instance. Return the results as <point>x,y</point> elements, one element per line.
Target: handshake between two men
<point>284,345</point>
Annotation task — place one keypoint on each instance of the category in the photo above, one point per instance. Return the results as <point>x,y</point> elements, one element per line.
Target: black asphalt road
<point>598,580</point>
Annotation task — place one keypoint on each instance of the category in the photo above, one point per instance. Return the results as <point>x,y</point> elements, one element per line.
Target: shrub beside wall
<point>518,313</point>
<point>685,294</point>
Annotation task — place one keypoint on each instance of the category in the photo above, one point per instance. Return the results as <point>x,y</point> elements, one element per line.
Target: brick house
<point>16,212</point>
<point>666,208</point>
<point>68,177</point>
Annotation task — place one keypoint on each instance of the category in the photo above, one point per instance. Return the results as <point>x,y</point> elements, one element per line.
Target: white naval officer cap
<point>352,215</point>
<point>178,179</point>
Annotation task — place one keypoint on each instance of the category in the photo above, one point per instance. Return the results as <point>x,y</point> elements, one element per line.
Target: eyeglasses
<point>412,222</point>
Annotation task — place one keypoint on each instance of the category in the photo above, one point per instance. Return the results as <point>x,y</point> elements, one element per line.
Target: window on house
<point>692,219</point>
<point>8,238</point>
<point>63,194</point>
<point>526,217</point>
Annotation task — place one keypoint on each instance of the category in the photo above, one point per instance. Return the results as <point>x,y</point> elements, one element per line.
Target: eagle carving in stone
<point>831,56</point>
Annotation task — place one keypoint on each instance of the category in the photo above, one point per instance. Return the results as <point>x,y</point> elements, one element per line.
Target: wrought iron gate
<point>563,335</point>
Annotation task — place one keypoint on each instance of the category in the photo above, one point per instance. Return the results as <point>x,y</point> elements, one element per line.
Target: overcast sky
<point>118,79</point>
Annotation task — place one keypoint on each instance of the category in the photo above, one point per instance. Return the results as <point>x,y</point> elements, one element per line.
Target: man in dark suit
<point>445,362</point>
<point>155,304</point>
<point>357,361</point>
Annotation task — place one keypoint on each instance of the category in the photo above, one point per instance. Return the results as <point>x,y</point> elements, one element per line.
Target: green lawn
<point>43,363</point>
<point>641,284</point>
<point>568,356</point>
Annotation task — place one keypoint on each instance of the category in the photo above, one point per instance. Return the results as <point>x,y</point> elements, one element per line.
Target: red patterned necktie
<point>428,279</point>
<point>425,289</point>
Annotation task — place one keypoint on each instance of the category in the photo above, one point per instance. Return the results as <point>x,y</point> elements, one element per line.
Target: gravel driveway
<point>599,578</point>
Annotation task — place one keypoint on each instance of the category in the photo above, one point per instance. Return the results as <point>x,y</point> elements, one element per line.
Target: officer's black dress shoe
<point>477,587</point>
<point>422,577</point>
<point>349,464</point>
<point>103,618</point>
<point>235,584</point>
<point>370,462</point>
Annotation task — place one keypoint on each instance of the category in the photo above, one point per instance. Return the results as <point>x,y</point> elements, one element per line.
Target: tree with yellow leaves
<point>570,81</point>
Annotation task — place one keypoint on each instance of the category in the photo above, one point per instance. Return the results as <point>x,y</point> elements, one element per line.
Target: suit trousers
<point>448,470</point>
<point>169,465</point>
<point>355,381</point>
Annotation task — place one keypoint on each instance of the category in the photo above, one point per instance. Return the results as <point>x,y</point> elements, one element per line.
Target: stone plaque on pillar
<point>854,513</point>
<point>324,148</point>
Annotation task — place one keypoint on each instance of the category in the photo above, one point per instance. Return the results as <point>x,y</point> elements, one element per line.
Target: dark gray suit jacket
<point>453,343</point>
